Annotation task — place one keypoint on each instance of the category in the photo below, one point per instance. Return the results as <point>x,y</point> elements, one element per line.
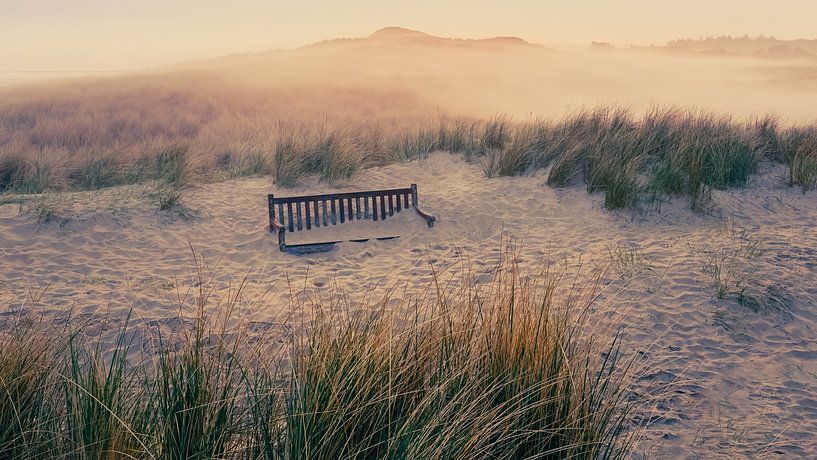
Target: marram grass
<point>505,369</point>
<point>142,129</point>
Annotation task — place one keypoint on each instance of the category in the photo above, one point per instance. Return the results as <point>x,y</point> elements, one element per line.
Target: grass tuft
<point>172,165</point>
<point>508,369</point>
<point>28,419</point>
<point>334,157</point>
<point>494,373</point>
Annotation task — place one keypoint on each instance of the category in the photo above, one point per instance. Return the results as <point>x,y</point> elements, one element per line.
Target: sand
<point>742,371</point>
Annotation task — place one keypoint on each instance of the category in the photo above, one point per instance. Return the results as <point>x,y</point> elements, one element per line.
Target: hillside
<point>759,47</point>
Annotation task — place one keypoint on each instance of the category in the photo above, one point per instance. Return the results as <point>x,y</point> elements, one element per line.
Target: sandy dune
<point>743,374</point>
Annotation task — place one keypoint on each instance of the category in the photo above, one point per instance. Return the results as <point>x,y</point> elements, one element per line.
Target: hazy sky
<point>126,35</point>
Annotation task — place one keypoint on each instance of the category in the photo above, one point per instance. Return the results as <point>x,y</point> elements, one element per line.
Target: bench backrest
<point>297,213</point>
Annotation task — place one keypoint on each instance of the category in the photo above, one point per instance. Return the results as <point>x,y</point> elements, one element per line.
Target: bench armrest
<point>275,226</point>
<point>281,230</point>
<point>428,217</point>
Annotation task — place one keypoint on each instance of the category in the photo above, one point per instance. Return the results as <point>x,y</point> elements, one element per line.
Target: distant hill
<point>472,74</point>
<point>759,47</point>
<point>408,37</point>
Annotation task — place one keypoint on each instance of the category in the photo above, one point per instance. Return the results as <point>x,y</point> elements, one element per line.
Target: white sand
<point>744,379</point>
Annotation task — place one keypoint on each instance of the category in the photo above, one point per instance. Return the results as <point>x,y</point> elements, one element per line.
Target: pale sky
<point>127,35</point>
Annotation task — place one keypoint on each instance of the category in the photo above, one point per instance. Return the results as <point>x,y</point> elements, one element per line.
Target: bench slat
<point>357,206</point>
<point>330,196</point>
<point>298,215</point>
<point>374,207</point>
<point>334,212</point>
<point>316,220</point>
<point>382,207</point>
<point>391,204</point>
<point>349,208</point>
<point>325,215</point>
<point>342,206</point>
<point>308,213</point>
<point>290,218</point>
<point>272,218</point>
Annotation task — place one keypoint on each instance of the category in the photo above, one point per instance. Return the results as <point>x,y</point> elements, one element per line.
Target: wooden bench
<point>298,213</point>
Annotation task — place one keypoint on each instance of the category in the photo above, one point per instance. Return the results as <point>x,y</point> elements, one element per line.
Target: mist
<point>509,76</point>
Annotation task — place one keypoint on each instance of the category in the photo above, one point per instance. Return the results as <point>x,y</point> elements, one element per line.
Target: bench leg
<point>282,243</point>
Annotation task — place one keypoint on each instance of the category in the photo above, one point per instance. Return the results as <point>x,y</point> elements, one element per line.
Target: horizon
<point>91,36</point>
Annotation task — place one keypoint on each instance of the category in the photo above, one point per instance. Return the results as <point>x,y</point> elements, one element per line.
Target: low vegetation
<point>511,369</point>
<point>181,129</point>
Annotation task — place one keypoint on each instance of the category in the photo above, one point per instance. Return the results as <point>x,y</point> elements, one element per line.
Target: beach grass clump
<point>767,137</point>
<point>614,162</point>
<point>605,148</point>
<point>197,399</point>
<point>412,145</point>
<point>714,154</point>
<point>165,197</point>
<point>105,400</point>
<point>29,420</point>
<point>508,369</point>
<point>495,133</point>
<point>799,153</point>
<point>521,153</point>
<point>172,165</point>
<point>96,172</point>
<point>333,156</point>
<point>583,136</point>
<point>12,171</point>
<point>500,372</point>
<point>288,164</point>
<point>805,167</point>
<point>42,207</point>
<point>369,141</point>
<point>460,136</point>
<point>252,163</point>
<point>702,152</point>
<point>32,174</point>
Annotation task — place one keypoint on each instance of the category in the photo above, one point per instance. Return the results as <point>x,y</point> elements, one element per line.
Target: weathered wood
<point>329,196</point>
<point>317,214</point>
<point>290,217</point>
<point>342,206</point>
<point>334,212</point>
<point>391,204</point>
<point>374,207</point>
<point>298,213</point>
<point>382,207</point>
<point>325,215</point>
<point>308,213</point>
<point>301,249</point>
<point>357,207</point>
<point>399,202</point>
<point>271,204</point>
